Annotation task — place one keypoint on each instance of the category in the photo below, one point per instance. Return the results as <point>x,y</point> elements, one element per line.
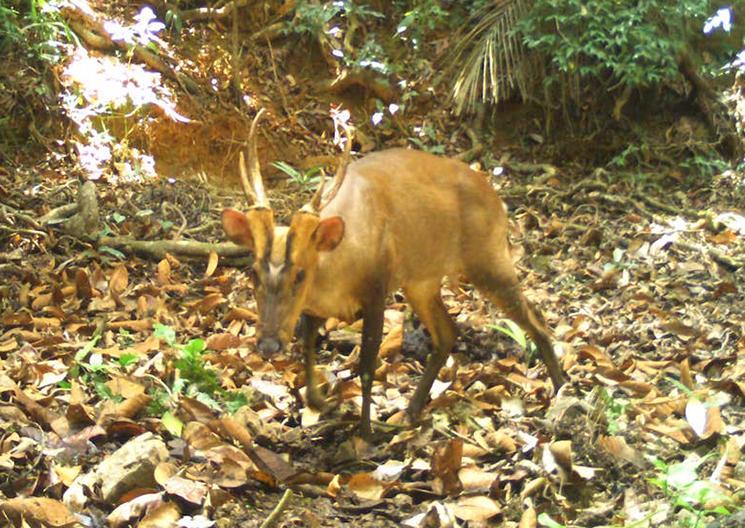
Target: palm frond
<point>489,61</point>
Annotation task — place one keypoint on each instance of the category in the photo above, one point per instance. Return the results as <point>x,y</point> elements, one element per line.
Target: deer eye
<point>299,277</point>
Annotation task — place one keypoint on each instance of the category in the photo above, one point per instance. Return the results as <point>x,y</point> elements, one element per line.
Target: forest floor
<point>130,389</point>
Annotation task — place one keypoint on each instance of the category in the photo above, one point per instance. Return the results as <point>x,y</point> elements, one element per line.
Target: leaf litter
<point>101,357</point>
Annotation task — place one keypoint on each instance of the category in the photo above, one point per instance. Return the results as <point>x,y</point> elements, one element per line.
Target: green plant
<point>509,328</point>
<point>545,520</point>
<point>615,408</point>
<point>704,164</point>
<point>681,483</point>
<point>426,139</point>
<point>194,375</point>
<point>90,369</point>
<point>312,18</point>
<point>305,179</point>
<point>334,25</point>
<point>418,20</point>
<point>36,27</point>
<point>608,47</point>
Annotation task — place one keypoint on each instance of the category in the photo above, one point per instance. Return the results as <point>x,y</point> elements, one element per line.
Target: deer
<point>393,219</point>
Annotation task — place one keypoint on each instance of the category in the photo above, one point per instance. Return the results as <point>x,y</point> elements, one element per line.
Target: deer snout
<point>269,346</point>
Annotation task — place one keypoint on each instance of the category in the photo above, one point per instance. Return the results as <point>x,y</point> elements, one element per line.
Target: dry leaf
<point>132,510</point>
<point>529,519</point>
<point>165,515</point>
<point>189,490</point>
<point>164,272</point>
<point>617,447</point>
<point>38,512</point>
<point>211,264</point>
<point>477,509</point>
<point>119,280</point>
<point>446,462</point>
<point>365,486</point>
<point>474,478</point>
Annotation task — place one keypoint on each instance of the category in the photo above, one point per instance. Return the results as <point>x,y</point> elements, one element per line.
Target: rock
<point>131,466</point>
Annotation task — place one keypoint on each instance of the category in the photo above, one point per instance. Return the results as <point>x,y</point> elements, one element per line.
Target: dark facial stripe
<point>266,257</point>
<point>288,249</point>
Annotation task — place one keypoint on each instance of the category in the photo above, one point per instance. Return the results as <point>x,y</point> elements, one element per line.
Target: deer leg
<point>427,304</point>
<point>372,333</point>
<point>309,326</point>
<point>502,289</point>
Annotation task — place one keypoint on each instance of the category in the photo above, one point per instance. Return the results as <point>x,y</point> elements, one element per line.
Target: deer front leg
<point>309,326</point>
<point>372,333</point>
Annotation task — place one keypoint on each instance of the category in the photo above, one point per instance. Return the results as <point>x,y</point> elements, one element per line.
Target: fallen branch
<point>187,248</point>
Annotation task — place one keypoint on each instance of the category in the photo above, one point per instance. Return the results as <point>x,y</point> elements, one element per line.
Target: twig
<point>277,511</point>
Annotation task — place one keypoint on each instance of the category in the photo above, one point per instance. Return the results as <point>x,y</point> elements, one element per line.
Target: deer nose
<point>269,345</point>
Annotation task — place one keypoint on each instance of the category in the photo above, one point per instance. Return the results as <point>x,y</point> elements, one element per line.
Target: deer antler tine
<point>257,182</point>
<point>341,172</point>
<point>315,203</point>
<point>244,179</point>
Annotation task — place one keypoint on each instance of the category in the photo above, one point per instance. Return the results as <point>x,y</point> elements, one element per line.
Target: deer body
<point>396,219</point>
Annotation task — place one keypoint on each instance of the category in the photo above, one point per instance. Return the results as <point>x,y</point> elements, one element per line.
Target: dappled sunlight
<point>103,94</point>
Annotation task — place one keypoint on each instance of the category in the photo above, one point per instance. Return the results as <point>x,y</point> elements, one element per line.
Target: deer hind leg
<point>501,286</point>
<point>427,304</point>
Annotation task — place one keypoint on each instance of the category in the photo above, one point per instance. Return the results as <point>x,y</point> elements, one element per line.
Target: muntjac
<point>394,219</point>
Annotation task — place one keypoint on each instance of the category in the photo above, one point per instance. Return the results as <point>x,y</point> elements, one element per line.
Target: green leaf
<point>195,347</point>
<point>81,354</point>
<point>166,333</point>
<point>545,520</point>
<point>172,424</point>
<point>127,359</point>
<point>509,328</point>
<point>113,252</point>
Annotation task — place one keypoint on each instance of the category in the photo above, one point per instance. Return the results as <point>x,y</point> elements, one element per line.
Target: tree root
<point>209,13</point>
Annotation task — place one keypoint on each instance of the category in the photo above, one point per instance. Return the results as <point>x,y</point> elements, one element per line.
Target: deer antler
<point>315,204</point>
<point>253,184</point>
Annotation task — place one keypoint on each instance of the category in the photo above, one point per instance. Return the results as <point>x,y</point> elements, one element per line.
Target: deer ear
<point>329,233</point>
<point>237,228</point>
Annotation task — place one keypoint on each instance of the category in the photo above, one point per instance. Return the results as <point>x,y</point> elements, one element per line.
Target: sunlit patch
<point>99,89</point>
